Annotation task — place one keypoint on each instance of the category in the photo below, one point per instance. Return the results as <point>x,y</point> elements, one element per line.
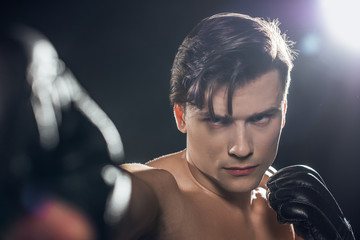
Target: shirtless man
<point>229,84</point>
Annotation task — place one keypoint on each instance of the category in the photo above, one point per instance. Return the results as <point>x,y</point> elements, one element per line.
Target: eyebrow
<point>269,111</point>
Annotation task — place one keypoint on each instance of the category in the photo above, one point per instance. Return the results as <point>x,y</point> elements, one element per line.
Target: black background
<point>122,53</point>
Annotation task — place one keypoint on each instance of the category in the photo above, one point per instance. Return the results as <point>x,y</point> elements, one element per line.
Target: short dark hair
<point>228,49</point>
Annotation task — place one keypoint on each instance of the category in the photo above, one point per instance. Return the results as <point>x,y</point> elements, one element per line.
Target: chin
<point>243,186</point>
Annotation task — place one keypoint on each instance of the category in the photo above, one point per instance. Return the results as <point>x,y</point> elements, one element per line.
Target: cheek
<point>202,142</point>
<point>267,142</point>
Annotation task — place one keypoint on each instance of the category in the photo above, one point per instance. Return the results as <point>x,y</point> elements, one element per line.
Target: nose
<point>241,147</point>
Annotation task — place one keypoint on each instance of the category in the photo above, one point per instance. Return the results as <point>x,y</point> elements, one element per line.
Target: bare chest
<point>200,217</point>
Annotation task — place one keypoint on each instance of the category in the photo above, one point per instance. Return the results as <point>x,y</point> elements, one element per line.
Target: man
<point>229,84</point>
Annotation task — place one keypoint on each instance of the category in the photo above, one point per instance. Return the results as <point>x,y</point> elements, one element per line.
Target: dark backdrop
<point>122,53</point>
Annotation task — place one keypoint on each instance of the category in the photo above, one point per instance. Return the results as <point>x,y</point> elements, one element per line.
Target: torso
<point>189,211</point>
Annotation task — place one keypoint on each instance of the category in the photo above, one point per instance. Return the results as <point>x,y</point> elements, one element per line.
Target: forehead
<point>258,95</point>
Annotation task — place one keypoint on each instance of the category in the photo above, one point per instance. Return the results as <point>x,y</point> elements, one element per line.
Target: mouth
<point>240,171</point>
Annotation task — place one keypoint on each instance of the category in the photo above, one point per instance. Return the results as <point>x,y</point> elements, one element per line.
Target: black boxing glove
<point>299,196</point>
<point>57,147</point>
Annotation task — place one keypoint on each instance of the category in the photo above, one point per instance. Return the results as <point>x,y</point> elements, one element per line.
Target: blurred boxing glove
<point>58,150</point>
<point>299,196</point>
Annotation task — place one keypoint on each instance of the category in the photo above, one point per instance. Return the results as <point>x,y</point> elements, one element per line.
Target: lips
<point>240,171</point>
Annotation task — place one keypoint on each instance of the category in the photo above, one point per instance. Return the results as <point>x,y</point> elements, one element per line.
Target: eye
<point>217,120</point>
<point>260,119</point>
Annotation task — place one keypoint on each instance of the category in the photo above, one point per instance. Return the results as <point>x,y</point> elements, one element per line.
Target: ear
<point>284,113</point>
<point>180,118</point>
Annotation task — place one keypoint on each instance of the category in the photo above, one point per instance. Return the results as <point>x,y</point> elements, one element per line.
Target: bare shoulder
<point>155,177</point>
<point>148,200</point>
<point>161,181</point>
<point>168,162</point>
<point>159,174</point>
